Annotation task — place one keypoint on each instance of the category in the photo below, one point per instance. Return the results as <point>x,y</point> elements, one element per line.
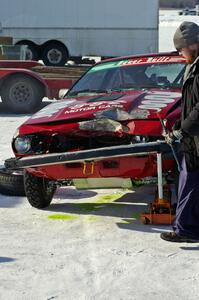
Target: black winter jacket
<point>190,116</point>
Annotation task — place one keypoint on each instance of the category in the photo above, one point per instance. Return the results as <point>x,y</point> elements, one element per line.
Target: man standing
<point>186,226</point>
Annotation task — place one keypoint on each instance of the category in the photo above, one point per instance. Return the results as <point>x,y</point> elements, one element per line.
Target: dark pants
<point>187,211</point>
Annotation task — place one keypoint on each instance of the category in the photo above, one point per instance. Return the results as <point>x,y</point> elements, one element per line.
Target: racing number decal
<point>158,100</point>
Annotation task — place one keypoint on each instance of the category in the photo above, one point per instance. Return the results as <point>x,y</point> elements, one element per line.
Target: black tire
<point>11,183</point>
<point>39,191</point>
<point>54,54</point>
<point>22,94</point>
<point>32,52</point>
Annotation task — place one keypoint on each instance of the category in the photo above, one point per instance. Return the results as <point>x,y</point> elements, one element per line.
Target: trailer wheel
<point>11,182</point>
<point>39,190</point>
<point>21,94</point>
<point>55,54</point>
<point>32,52</point>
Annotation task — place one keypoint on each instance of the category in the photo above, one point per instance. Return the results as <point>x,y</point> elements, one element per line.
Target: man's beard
<point>192,56</point>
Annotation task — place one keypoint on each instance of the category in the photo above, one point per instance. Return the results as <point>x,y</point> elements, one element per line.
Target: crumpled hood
<point>129,104</point>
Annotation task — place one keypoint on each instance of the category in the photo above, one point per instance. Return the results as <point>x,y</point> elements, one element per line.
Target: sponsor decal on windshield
<point>137,61</point>
<point>152,60</point>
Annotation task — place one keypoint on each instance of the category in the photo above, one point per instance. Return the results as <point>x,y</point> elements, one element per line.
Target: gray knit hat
<point>186,34</point>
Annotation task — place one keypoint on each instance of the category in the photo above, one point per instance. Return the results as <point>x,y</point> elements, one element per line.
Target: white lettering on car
<point>149,60</point>
<point>51,109</point>
<point>94,105</point>
<point>158,100</point>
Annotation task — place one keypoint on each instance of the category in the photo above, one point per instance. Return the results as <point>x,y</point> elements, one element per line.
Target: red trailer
<point>23,84</point>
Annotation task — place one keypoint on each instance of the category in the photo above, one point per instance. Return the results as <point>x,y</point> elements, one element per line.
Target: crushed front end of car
<point>117,102</point>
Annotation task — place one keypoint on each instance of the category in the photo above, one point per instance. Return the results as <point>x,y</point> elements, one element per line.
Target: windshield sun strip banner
<point>137,61</point>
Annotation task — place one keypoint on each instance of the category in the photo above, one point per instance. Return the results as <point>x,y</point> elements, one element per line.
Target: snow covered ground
<point>88,245</point>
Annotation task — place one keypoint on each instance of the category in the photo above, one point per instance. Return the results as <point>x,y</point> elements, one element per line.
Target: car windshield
<point>148,72</point>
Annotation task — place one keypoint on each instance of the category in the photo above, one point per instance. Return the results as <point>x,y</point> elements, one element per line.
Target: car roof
<point>173,53</point>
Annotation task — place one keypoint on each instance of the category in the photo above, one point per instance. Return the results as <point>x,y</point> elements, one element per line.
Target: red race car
<point>116,102</point>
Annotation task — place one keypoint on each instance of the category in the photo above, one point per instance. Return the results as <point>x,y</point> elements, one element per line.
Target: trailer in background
<point>56,31</point>
<point>23,84</point>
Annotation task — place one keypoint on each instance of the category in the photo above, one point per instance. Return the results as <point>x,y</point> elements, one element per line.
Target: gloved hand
<point>169,138</point>
<point>177,134</point>
<point>173,136</point>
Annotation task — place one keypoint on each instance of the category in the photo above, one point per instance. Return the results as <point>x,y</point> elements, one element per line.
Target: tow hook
<point>88,167</point>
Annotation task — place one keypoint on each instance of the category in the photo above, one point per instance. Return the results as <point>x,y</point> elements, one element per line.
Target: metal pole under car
<point>161,210</point>
<point>88,155</point>
<point>159,171</point>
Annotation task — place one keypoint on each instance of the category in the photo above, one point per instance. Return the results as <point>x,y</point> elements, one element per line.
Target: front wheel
<point>39,191</point>
<point>11,182</point>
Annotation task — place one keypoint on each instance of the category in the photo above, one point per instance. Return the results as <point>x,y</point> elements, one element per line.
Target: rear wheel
<point>39,190</point>
<point>11,182</point>
<point>55,54</point>
<point>22,94</point>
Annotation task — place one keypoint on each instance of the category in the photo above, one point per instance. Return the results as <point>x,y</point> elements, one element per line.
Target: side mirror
<point>62,93</point>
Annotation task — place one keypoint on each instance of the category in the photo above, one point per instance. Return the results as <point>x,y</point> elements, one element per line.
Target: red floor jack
<point>161,209</point>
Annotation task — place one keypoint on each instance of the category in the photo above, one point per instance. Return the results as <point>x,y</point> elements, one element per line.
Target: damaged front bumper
<point>88,155</point>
